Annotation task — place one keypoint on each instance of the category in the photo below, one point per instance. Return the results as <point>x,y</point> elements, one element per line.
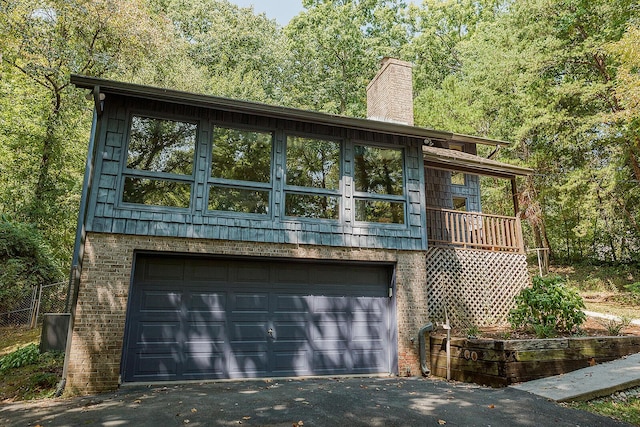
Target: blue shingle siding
<point>108,214</point>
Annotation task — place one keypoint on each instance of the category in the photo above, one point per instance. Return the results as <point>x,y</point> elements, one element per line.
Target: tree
<point>44,138</point>
<point>333,49</point>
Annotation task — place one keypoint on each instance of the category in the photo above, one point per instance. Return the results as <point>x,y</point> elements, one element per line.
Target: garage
<point>196,318</point>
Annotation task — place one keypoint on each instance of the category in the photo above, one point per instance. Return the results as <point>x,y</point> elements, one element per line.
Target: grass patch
<point>27,374</point>
<point>616,309</point>
<point>622,409</point>
<point>599,278</point>
<point>17,336</point>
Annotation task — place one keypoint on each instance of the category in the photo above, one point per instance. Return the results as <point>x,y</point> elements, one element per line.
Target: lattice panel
<point>478,288</point>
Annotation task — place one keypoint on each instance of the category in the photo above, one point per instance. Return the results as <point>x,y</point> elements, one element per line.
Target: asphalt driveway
<point>311,402</point>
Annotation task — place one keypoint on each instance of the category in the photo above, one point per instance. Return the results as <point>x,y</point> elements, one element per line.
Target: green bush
<point>25,261</point>
<point>21,357</point>
<point>547,308</point>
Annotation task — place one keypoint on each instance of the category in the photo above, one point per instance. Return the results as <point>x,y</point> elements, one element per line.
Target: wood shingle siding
<point>109,214</point>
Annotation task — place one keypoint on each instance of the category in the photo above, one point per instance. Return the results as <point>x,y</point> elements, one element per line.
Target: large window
<point>160,157</point>
<point>313,178</point>
<point>379,184</point>
<point>240,171</point>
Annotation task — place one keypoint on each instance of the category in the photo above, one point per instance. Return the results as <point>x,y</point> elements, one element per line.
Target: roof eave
<point>273,111</point>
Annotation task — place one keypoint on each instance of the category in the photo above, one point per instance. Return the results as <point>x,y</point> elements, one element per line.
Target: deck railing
<point>446,227</point>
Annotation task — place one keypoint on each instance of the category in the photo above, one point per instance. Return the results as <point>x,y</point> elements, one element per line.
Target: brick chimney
<point>390,93</point>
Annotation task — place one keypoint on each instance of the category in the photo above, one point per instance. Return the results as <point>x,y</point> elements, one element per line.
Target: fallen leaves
<point>442,422</point>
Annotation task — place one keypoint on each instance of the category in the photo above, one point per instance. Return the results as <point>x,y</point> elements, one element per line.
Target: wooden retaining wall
<point>498,363</point>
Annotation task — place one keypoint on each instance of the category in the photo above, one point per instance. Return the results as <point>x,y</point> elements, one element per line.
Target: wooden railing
<point>446,227</point>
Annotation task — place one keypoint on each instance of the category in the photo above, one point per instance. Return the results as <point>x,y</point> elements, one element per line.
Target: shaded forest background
<point>559,79</point>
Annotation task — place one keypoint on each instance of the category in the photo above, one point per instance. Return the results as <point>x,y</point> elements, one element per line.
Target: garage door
<point>193,319</point>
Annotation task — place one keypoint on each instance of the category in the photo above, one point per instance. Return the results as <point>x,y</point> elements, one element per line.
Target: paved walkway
<point>588,383</point>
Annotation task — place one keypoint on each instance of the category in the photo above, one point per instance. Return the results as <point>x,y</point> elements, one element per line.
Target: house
<point>229,239</point>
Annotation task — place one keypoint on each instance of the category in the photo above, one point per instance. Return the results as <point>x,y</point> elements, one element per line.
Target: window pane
<point>241,154</point>
<point>313,163</point>
<point>457,178</point>
<point>156,192</point>
<point>312,206</point>
<point>378,170</point>
<point>460,203</point>
<point>238,200</point>
<point>380,211</point>
<point>161,145</point>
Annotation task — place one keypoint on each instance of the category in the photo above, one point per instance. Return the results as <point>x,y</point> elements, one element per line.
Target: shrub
<point>21,357</point>
<point>548,307</point>
<point>25,261</point>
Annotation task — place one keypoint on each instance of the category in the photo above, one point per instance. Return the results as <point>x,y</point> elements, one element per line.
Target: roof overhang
<point>102,86</point>
<point>441,158</point>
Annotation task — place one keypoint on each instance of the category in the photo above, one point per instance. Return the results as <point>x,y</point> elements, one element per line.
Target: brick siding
<point>98,333</point>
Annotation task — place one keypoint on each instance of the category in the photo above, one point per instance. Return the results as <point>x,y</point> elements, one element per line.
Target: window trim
<point>314,191</point>
<point>393,198</point>
<point>236,183</point>
<point>124,172</point>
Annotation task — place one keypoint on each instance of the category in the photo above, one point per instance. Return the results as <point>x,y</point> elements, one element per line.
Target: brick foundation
<point>98,332</point>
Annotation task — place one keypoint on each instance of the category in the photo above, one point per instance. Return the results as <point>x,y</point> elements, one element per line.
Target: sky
<point>280,10</point>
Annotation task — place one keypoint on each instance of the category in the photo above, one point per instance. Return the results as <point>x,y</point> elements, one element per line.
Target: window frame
<point>392,198</point>
<point>125,172</point>
<point>314,191</point>
<point>458,146</point>
<point>210,180</point>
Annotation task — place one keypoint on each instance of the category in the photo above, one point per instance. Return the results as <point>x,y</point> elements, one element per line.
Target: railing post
<point>519,235</point>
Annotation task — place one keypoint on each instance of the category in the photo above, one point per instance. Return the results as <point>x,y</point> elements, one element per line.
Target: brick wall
<point>390,93</point>
<point>98,333</point>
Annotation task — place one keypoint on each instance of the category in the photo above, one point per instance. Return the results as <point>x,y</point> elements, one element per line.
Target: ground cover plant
<point>25,372</point>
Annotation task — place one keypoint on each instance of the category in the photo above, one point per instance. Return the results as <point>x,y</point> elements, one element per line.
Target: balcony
<point>474,230</point>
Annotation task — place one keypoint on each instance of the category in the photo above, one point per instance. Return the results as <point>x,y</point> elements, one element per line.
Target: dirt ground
<point>592,327</point>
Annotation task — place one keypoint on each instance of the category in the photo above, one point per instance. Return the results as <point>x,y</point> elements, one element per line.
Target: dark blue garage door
<point>202,318</point>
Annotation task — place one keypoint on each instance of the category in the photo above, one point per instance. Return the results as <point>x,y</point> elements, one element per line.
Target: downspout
<point>424,359</point>
<point>78,248</point>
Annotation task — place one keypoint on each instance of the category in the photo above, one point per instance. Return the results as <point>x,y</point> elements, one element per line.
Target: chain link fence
<point>49,298</point>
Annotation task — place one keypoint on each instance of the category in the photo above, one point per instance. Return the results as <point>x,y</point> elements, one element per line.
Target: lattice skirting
<point>478,288</point>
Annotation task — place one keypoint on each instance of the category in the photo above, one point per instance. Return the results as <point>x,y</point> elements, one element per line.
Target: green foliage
<point>25,261</point>
<point>548,307</point>
<point>634,288</point>
<point>614,327</point>
<point>27,355</point>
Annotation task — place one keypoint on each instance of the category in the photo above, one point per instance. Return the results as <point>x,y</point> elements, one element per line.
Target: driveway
<point>311,402</point>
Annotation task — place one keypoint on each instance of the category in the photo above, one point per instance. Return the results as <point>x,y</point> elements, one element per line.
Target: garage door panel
<point>291,362</point>
<point>366,361</point>
<point>331,330</point>
<point>252,272</point>
<point>330,361</point>
<point>214,322</point>
<point>243,332</point>
<point>152,365</point>
<point>247,364</point>
<point>291,304</point>
<point>150,332</point>
<point>213,303</point>
<point>294,274</point>
<point>200,365</point>
<point>209,271</point>
<point>324,304</point>
<point>290,331</point>
<point>368,331</point>
<point>206,332</point>
<point>161,301</point>
<point>253,302</point>
<point>168,268</point>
